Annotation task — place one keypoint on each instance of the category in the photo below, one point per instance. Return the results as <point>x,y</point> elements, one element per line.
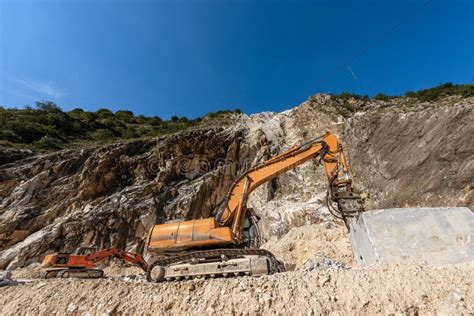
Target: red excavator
<point>80,263</point>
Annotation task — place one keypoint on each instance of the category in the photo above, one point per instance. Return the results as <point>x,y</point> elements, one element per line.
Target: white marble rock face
<point>436,236</point>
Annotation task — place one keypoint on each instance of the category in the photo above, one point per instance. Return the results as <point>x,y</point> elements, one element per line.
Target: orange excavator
<point>227,244</point>
<point>80,263</point>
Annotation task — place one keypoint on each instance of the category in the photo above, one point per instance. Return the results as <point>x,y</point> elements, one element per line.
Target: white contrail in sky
<point>353,74</point>
<point>44,89</point>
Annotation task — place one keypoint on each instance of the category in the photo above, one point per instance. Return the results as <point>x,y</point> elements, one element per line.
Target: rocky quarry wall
<point>110,195</point>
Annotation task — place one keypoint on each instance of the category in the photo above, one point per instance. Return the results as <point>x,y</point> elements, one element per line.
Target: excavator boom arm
<point>227,228</point>
<point>133,258</point>
<point>255,177</point>
<point>326,146</point>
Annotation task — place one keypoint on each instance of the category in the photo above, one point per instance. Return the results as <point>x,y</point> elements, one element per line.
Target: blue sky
<point>187,58</point>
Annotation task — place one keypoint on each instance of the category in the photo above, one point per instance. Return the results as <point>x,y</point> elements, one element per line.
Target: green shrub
<point>115,126</point>
<point>346,109</point>
<point>131,132</point>
<point>125,116</point>
<point>47,142</point>
<point>381,97</point>
<point>344,112</point>
<point>28,131</point>
<point>222,112</point>
<point>141,119</point>
<point>156,121</point>
<point>347,95</point>
<point>9,135</point>
<point>102,134</point>
<point>144,131</point>
<point>47,106</point>
<point>104,113</point>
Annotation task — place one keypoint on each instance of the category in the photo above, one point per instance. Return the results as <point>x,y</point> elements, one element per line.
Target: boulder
<point>436,236</point>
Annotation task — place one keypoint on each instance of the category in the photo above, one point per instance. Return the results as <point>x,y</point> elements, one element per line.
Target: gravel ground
<point>326,280</point>
<point>407,288</point>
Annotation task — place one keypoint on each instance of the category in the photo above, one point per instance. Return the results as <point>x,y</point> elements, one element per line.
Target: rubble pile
<point>326,263</point>
<point>6,279</point>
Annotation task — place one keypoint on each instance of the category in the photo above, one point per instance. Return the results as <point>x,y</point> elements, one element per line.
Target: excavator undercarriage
<point>82,273</point>
<point>214,263</point>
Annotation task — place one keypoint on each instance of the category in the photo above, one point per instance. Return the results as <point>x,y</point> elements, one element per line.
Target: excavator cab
<point>85,250</point>
<point>61,258</point>
<point>251,230</point>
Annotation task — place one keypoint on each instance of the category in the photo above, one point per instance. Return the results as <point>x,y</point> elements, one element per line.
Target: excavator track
<point>194,258</point>
<point>73,273</point>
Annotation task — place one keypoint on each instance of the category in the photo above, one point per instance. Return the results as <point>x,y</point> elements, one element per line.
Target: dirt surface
<point>394,288</point>
<point>312,243</point>
<point>379,289</point>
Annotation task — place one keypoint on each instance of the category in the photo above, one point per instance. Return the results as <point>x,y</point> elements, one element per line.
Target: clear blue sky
<point>187,58</point>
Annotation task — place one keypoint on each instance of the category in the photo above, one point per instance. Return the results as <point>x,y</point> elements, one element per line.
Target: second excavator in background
<point>82,262</point>
<point>228,244</point>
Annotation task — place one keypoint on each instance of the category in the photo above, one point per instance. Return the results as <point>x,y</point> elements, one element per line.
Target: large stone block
<point>436,236</point>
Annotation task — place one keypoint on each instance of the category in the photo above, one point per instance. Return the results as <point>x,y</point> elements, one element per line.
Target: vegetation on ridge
<point>48,127</point>
<point>345,106</point>
<point>430,94</point>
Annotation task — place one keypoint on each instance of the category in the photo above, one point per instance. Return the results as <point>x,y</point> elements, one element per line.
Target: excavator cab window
<point>62,259</point>
<point>85,250</point>
<point>251,231</point>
